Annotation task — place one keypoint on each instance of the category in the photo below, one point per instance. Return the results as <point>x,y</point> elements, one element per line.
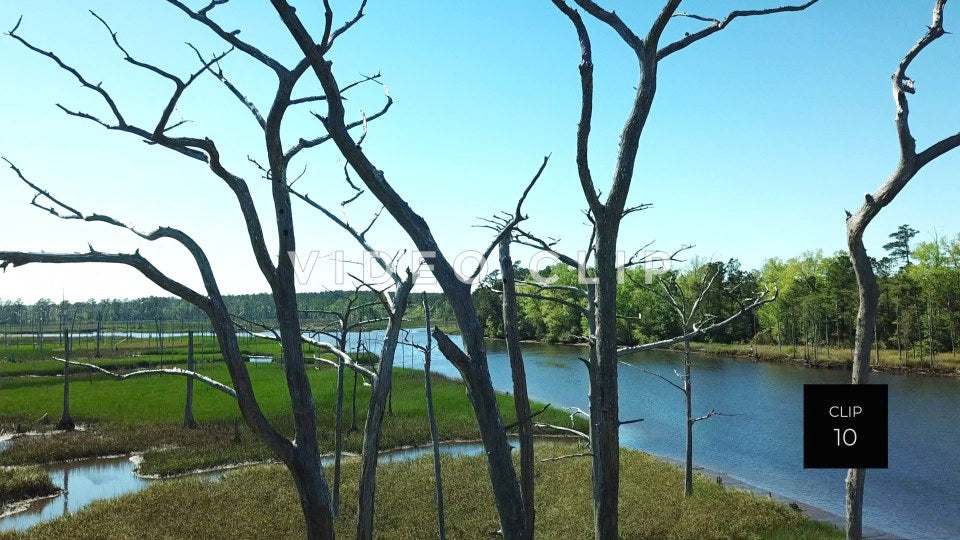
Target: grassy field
<point>144,415</point>
<point>834,357</point>
<point>25,358</point>
<point>260,502</point>
<point>18,483</point>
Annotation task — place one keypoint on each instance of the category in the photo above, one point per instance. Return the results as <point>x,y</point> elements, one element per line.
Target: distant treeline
<point>817,305</point>
<point>171,313</point>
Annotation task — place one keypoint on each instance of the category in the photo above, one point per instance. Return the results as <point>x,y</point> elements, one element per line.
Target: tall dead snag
<point>188,420</point>
<point>471,363</point>
<point>301,454</point>
<point>394,298</point>
<point>427,350</point>
<point>345,324</point>
<point>609,213</point>
<point>521,402</point>
<point>66,423</point>
<point>911,162</point>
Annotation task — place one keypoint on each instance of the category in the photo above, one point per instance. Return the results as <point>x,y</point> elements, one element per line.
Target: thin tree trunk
<point>434,432</point>
<point>688,398</point>
<point>866,325</point>
<point>521,401</point>
<point>353,402</point>
<point>66,423</point>
<point>188,420</point>
<point>379,399</point>
<point>338,438</point>
<point>877,341</point>
<point>930,324</point>
<point>99,332</point>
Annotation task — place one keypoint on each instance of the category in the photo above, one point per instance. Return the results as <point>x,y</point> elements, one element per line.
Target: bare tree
<point>511,332</point>
<point>300,455</point>
<point>427,350</point>
<point>66,423</point>
<point>188,420</point>
<point>394,299</point>
<point>687,305</point>
<point>609,213</point>
<point>584,302</point>
<point>911,162</point>
<point>345,324</point>
<point>472,362</point>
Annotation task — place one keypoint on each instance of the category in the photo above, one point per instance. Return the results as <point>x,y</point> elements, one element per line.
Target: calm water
<point>86,481</point>
<point>918,496</point>
<point>82,482</point>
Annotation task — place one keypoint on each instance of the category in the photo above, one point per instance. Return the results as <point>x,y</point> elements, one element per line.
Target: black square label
<point>844,426</point>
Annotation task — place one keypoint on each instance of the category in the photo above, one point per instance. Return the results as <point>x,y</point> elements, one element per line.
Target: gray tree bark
<point>521,402</point>
<point>66,423</point>
<point>372,428</point>
<point>188,420</point>
<point>434,432</point>
<point>910,164</point>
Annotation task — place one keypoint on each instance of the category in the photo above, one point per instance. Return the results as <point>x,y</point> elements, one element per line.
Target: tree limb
<point>162,371</point>
<point>718,25</point>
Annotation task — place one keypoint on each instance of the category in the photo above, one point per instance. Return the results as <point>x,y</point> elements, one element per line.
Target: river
<point>918,496</point>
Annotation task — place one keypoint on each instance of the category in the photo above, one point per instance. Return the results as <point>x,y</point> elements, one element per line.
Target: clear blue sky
<point>760,136</point>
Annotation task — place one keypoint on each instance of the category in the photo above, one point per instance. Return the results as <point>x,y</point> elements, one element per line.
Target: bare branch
<point>230,37</point>
<point>244,100</point>
<point>346,26</point>
<point>514,220</point>
<point>586,106</point>
<point>903,85</point>
<point>712,413</point>
<point>910,161</point>
<point>525,238</point>
<point>305,144</point>
<point>567,456</point>
<point>563,429</point>
<point>611,19</point>
<point>697,332</point>
<point>199,256</point>
<point>508,427</point>
<point>134,260</point>
<point>161,371</point>
<point>84,82</point>
<point>657,375</point>
<point>718,25</point>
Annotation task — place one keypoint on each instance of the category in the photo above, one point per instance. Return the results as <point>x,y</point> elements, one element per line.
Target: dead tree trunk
<point>432,417</point>
<point>338,439</point>
<point>372,428</point>
<point>521,402</point>
<point>688,402</point>
<point>608,214</point>
<point>66,423</point>
<point>607,450</point>
<point>911,162</point>
<point>188,420</point>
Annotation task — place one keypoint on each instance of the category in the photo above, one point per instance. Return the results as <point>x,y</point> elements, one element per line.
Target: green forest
<point>919,311</point>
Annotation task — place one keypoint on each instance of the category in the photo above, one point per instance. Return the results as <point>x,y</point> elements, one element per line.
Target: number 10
<point>843,437</point>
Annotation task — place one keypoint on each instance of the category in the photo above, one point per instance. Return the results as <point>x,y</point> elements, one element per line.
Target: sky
<point>760,135</point>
